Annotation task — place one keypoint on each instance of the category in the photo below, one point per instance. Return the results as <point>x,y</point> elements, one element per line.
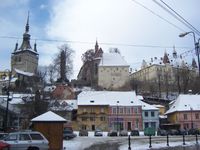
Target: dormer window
<point>92,101</point>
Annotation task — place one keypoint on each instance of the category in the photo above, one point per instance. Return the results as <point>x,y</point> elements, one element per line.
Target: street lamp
<point>117,116</point>
<point>8,99</point>
<point>196,44</point>
<point>191,117</point>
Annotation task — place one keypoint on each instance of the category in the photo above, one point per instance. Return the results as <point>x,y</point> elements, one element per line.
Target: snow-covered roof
<point>24,73</point>
<point>158,106</point>
<point>163,116</point>
<point>63,105</point>
<point>140,97</point>
<point>13,79</point>
<point>72,102</point>
<point>18,98</point>
<point>3,103</point>
<point>146,106</point>
<point>49,117</point>
<point>185,103</point>
<point>112,59</point>
<point>123,98</point>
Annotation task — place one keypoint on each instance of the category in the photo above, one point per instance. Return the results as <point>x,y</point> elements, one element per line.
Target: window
<point>146,125</point>
<point>92,110</point>
<point>128,110</point>
<point>137,123</point>
<point>84,118</point>
<point>146,113</point>
<point>102,110</point>
<point>24,137</point>
<point>36,136</point>
<point>197,116</point>
<point>121,110</point>
<point>152,114</point>
<point>153,124</point>
<point>84,110</point>
<point>92,118</point>
<point>136,110</point>
<point>12,137</point>
<point>114,110</point>
<point>102,118</point>
<point>185,116</point>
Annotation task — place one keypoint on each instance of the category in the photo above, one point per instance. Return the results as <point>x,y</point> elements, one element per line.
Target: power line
<point>176,16</point>
<point>102,43</point>
<point>158,16</point>
<point>181,17</point>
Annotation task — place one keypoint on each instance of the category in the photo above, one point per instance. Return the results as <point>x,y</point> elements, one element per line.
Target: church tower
<point>25,58</point>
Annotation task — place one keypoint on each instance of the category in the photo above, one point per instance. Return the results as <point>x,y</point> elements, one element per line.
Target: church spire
<point>26,38</point>
<point>27,24</point>
<point>165,58</point>
<point>96,47</point>
<point>194,64</point>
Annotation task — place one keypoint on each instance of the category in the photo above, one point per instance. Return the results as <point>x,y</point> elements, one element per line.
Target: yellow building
<point>161,108</point>
<point>92,117</point>
<point>167,73</point>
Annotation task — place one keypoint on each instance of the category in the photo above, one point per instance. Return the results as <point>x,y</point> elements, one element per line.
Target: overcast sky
<point>118,22</point>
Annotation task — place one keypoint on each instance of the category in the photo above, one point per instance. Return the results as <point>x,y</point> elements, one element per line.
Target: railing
<point>168,138</point>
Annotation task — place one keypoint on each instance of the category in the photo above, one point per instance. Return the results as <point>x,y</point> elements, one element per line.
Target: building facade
<point>125,117</point>
<point>185,111</point>
<point>113,71</point>
<point>109,110</point>
<point>92,117</point>
<point>168,73</point>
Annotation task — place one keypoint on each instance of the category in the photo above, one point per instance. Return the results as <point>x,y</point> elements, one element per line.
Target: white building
<point>113,71</point>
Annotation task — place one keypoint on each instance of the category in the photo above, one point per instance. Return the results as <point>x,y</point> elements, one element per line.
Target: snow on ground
<point>137,143</point>
<point>139,146</point>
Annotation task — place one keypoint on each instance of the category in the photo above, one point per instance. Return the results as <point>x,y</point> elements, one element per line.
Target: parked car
<point>98,133</point>
<point>3,135</point>
<point>26,140</point>
<point>4,146</point>
<point>182,132</point>
<point>173,132</point>
<point>83,133</point>
<point>162,132</point>
<point>68,134</point>
<point>123,133</point>
<point>112,133</point>
<point>193,131</point>
<point>135,133</point>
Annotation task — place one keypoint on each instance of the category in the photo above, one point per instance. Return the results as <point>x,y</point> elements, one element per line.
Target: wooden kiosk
<point>51,126</point>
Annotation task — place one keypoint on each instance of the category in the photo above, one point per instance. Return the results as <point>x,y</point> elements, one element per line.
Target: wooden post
<point>150,142</point>
<point>167,140</point>
<point>129,142</point>
<point>183,139</point>
<point>196,139</point>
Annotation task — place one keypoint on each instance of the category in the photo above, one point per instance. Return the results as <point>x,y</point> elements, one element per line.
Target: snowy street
<point>121,143</point>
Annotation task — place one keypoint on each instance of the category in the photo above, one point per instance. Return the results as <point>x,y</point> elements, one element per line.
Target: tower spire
<point>27,24</point>
<point>96,46</point>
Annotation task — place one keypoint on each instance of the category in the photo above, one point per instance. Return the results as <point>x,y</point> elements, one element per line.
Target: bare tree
<point>62,64</point>
<point>88,56</point>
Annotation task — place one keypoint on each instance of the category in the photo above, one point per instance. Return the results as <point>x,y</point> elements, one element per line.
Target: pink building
<point>185,111</point>
<point>125,117</point>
